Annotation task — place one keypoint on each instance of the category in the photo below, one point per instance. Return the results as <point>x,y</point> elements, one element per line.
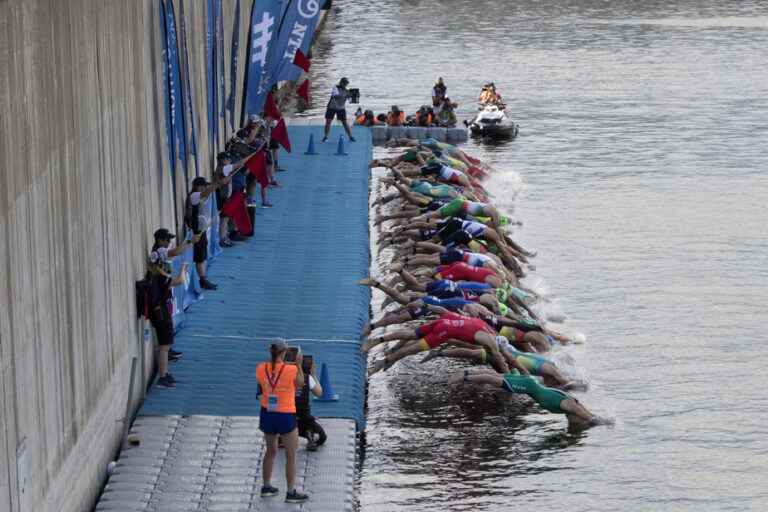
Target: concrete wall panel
<point>84,181</point>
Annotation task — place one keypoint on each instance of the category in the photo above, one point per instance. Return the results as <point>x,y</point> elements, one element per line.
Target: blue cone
<point>311,147</point>
<point>325,383</point>
<point>340,150</point>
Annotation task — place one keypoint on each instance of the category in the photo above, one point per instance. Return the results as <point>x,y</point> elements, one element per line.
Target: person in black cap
<point>198,220</point>
<point>161,300</point>
<point>336,108</point>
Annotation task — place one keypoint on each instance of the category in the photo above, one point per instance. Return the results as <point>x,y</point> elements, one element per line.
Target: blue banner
<point>167,94</point>
<point>262,35</point>
<point>233,66</point>
<point>190,107</point>
<point>210,72</point>
<point>220,61</point>
<point>297,31</point>
<point>176,93</point>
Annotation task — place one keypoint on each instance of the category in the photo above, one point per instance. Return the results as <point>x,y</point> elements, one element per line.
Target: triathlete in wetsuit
<point>449,328</point>
<point>553,400</point>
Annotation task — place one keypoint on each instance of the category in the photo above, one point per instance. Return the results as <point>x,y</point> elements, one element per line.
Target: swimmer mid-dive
<point>449,328</point>
<point>550,399</point>
<point>534,363</point>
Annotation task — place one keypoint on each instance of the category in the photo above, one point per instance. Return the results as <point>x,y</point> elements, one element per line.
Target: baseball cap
<point>199,182</point>
<point>163,234</point>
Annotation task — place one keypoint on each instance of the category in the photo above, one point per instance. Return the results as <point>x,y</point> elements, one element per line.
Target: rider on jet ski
<point>489,96</point>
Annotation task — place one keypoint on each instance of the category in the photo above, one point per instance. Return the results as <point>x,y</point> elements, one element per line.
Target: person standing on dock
<point>336,108</point>
<point>278,382</point>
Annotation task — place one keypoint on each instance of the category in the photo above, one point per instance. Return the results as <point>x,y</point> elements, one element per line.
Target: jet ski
<point>492,121</point>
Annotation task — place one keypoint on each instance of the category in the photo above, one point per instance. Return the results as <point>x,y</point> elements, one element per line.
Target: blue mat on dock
<point>295,278</point>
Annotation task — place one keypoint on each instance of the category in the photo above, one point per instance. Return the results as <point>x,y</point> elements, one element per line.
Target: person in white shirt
<point>336,108</point>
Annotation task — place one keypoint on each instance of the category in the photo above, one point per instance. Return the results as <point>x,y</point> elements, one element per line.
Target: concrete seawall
<point>86,179</point>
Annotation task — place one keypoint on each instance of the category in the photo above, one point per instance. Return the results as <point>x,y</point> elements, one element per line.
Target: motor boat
<point>492,121</point>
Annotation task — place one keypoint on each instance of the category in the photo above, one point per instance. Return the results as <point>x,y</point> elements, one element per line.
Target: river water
<point>641,178</point>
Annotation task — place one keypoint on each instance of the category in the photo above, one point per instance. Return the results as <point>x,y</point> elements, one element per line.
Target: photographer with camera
<point>309,428</point>
<point>278,381</point>
<point>336,108</point>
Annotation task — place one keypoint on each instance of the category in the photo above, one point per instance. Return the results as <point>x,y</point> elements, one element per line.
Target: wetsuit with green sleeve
<point>426,188</point>
<point>548,398</point>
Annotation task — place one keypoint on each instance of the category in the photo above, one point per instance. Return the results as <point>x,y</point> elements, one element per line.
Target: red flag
<point>236,209</point>
<point>270,108</point>
<point>280,134</point>
<point>302,61</point>
<point>303,91</point>
<point>257,165</point>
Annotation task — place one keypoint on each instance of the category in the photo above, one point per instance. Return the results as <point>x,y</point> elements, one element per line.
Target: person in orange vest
<point>424,116</point>
<point>395,117</point>
<point>367,119</point>
<point>278,381</point>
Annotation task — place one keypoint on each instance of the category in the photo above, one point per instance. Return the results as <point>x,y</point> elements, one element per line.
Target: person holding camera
<point>309,428</point>
<point>278,381</point>
<point>336,108</point>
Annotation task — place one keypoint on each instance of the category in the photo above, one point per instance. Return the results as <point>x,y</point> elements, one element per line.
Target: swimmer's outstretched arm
<point>437,309</point>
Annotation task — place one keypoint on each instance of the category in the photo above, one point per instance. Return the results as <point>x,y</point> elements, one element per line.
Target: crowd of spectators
<point>239,184</point>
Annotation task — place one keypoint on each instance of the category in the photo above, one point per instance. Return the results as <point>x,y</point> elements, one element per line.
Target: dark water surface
<point>641,177</point>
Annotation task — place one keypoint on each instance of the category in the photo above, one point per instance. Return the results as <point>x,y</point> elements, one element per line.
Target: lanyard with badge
<point>271,397</point>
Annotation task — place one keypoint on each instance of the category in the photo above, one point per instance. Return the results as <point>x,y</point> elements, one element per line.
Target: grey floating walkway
<point>295,278</point>
<point>213,463</point>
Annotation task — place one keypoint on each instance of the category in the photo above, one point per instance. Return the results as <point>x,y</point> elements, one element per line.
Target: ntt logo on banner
<point>308,8</point>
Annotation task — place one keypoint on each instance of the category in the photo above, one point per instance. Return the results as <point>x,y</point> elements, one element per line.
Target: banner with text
<point>265,18</point>
<point>297,31</point>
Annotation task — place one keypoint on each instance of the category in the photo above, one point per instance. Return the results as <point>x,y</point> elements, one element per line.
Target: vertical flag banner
<point>190,110</point>
<point>262,34</point>
<point>233,66</point>
<point>296,34</point>
<point>210,72</point>
<point>175,87</point>
<point>220,62</point>
<point>167,93</point>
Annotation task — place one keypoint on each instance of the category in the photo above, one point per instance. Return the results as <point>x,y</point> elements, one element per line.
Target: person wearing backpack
<point>160,299</point>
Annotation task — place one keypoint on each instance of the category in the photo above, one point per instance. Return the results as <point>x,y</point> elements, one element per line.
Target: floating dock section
<point>200,448</point>
<point>382,134</point>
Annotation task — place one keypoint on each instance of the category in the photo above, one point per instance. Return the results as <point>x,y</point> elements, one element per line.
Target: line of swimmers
<point>455,274</point>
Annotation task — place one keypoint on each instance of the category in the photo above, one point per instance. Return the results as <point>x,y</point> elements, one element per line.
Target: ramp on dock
<point>200,447</point>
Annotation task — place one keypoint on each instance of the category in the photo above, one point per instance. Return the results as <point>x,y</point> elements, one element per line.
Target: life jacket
<point>360,119</point>
<point>395,121</point>
<point>486,96</point>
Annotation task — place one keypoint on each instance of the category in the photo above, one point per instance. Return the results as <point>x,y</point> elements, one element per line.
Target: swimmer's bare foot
<point>387,302</point>
<point>366,329</point>
<point>378,366</point>
<point>369,344</point>
<point>396,267</point>
<point>368,282</point>
<point>435,352</point>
